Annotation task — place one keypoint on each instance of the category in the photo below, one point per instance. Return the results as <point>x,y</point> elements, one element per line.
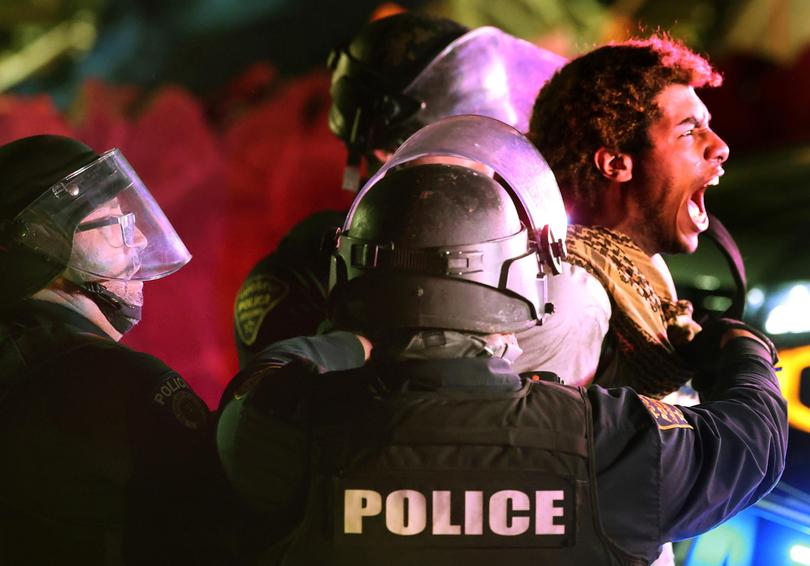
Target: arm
<point>667,472</point>
<point>261,436</point>
<point>285,293</point>
<point>174,473</point>
<point>740,439</point>
<point>263,444</point>
<point>331,352</point>
<point>335,351</point>
<point>278,300</point>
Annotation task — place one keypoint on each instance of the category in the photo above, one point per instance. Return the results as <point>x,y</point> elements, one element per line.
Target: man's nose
<point>716,149</point>
<point>139,240</point>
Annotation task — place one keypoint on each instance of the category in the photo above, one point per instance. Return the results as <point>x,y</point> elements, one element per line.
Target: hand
<point>702,353</point>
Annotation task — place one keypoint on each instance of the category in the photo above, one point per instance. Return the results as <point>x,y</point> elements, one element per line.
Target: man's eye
<point>687,133</point>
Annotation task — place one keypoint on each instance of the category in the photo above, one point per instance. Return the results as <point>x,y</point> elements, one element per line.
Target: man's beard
<point>657,230</point>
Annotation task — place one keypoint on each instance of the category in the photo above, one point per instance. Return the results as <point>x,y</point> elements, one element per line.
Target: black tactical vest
<point>466,476</point>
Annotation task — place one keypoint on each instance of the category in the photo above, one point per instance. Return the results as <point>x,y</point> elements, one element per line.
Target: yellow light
<point>793,362</point>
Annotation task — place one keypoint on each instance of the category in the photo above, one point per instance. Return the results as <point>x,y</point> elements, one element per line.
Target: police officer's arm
<point>277,301</point>
<point>175,479</point>
<point>335,351</point>
<point>285,293</point>
<point>261,438</point>
<point>666,472</point>
<point>736,453</point>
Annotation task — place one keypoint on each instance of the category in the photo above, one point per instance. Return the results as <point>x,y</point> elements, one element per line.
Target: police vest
<point>449,478</point>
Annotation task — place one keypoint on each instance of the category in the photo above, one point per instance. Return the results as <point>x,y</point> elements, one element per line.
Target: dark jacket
<point>105,450</point>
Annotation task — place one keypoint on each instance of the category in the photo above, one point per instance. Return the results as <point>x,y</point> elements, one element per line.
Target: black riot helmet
<point>28,167</point>
<point>369,109</point>
<point>62,206</point>
<point>442,239</point>
<point>405,71</point>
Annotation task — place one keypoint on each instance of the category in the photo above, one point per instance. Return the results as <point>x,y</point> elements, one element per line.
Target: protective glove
<point>703,352</point>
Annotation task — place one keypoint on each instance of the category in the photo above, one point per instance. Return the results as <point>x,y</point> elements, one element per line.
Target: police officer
<point>104,448</point>
<point>397,75</point>
<point>434,451</point>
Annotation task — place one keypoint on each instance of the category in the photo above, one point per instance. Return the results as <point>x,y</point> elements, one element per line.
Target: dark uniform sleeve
<point>285,293</point>
<point>176,491</point>
<point>666,472</point>
<point>261,443</point>
<point>737,454</point>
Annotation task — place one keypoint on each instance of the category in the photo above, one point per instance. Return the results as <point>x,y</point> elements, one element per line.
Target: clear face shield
<point>485,72</point>
<point>490,146</point>
<point>121,234</point>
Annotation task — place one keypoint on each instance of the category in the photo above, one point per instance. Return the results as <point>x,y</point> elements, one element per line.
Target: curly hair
<point>606,98</point>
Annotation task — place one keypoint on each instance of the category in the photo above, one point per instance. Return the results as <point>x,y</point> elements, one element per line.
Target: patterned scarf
<point>647,320</point>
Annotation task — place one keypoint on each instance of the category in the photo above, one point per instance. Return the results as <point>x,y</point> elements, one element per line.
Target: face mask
<point>119,301</point>
<point>504,346</point>
<point>438,344</point>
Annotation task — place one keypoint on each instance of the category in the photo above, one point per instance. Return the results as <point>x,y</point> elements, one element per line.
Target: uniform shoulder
<point>123,357</point>
<point>153,386</point>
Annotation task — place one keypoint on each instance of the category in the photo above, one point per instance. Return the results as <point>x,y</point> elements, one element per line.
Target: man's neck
<point>618,221</point>
<point>56,293</point>
<point>632,231</point>
<point>617,210</point>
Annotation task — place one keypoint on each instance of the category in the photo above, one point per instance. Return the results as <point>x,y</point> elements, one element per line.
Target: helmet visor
<point>499,147</point>
<point>485,72</point>
<point>102,221</point>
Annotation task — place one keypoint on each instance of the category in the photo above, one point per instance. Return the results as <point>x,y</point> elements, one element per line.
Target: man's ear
<point>613,165</point>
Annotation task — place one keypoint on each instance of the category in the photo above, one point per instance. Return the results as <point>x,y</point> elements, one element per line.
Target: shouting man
<point>630,144</point>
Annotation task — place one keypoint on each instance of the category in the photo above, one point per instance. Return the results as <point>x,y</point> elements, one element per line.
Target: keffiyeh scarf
<point>647,321</point>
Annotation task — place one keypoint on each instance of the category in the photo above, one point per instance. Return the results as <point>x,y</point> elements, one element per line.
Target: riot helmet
<point>406,71</point>
<point>67,209</point>
<point>451,235</point>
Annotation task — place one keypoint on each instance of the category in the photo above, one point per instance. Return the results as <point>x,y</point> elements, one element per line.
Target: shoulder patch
<point>174,394</point>
<point>257,297</point>
<point>666,416</point>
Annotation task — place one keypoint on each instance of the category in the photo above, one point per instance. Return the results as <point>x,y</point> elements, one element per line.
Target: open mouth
<point>697,210</point>
<point>697,206</point>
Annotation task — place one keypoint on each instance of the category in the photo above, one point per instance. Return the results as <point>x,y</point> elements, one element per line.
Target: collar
<point>32,327</point>
<point>34,313</point>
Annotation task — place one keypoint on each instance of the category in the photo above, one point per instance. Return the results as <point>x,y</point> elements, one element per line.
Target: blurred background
<point>222,108</point>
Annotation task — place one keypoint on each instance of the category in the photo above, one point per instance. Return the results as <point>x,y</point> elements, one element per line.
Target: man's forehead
<point>112,206</point>
<point>679,104</point>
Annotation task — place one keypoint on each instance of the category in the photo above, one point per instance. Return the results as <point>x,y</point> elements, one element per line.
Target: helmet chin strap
<point>121,308</point>
<point>122,314</point>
